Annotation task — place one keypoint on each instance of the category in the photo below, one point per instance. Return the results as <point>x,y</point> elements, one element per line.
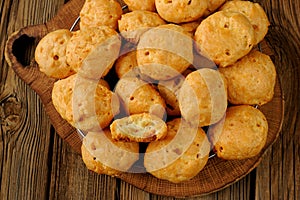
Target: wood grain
<point>25,129</point>
<point>277,176</point>
<point>70,179</point>
<point>36,164</point>
<point>207,181</point>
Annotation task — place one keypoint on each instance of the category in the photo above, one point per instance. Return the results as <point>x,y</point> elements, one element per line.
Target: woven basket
<point>216,175</point>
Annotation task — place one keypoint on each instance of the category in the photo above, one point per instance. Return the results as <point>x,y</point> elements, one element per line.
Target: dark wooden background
<point>36,164</point>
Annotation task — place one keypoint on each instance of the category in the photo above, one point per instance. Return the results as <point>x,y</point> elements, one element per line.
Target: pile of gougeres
<point>128,78</point>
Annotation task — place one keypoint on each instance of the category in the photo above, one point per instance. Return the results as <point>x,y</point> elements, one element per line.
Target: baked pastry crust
<point>169,90</point>
<point>164,52</point>
<point>138,128</point>
<point>95,13</point>
<point>140,97</point>
<point>203,97</point>
<point>50,54</point>
<point>224,37</point>
<point>254,12</point>
<point>103,155</point>
<point>84,103</point>
<point>241,134</point>
<point>88,44</point>
<point>179,11</point>
<point>133,24</point>
<point>213,5</point>
<point>148,5</point>
<point>181,155</point>
<point>251,80</point>
<point>126,63</point>
<point>191,27</point>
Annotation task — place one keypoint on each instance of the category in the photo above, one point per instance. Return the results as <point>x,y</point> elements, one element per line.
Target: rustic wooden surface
<point>36,164</point>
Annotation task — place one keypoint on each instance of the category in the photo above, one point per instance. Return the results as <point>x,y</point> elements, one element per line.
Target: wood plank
<point>128,191</point>
<point>70,178</point>
<point>297,160</point>
<point>24,157</point>
<point>33,157</point>
<point>278,174</point>
<point>24,126</point>
<point>239,190</point>
<point>263,174</point>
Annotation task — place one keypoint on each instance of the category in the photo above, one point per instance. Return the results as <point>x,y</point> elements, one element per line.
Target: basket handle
<point>37,80</point>
<point>15,48</point>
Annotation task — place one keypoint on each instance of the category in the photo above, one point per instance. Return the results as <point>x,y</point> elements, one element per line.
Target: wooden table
<point>36,163</point>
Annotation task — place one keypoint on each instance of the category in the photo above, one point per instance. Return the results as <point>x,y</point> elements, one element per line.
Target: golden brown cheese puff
<point>85,104</point>
<point>254,12</point>
<point>133,24</point>
<point>169,90</point>
<point>224,37</point>
<point>138,128</point>
<point>181,155</point>
<point>103,155</point>
<point>179,11</point>
<point>164,52</point>
<point>95,13</point>
<point>62,95</point>
<point>104,83</point>
<point>191,27</point>
<point>251,80</point>
<point>140,97</point>
<point>148,5</point>
<point>126,63</point>
<point>203,97</point>
<point>92,52</point>
<point>242,134</point>
<point>213,5</point>
<point>50,54</point>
